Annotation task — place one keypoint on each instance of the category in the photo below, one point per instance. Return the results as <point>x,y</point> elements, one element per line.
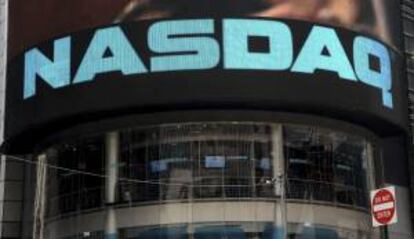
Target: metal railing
<point>309,191</point>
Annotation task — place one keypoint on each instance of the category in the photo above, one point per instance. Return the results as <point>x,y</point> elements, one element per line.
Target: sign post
<point>385,232</point>
<point>384,207</point>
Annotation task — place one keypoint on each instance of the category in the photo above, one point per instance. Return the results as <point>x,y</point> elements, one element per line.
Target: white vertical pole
<point>111,164</point>
<point>279,182</point>
<point>3,59</point>
<point>369,167</point>
<point>39,210</point>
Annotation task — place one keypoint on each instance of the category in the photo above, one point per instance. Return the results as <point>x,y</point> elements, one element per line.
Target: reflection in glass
<point>74,191</point>
<point>217,160</point>
<point>240,230</point>
<point>325,165</point>
<point>228,168</point>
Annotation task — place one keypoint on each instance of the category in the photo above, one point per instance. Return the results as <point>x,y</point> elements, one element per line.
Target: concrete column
<point>2,191</point>
<point>3,59</point>
<point>39,208</point>
<point>279,182</point>
<point>403,228</point>
<point>111,164</point>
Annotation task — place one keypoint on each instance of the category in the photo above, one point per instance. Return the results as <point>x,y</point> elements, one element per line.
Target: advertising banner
<point>80,61</point>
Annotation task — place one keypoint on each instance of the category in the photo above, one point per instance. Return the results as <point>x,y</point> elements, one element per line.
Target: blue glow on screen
<point>215,162</point>
<point>124,58</point>
<point>164,164</point>
<point>382,79</point>
<point>178,45</point>
<point>167,37</point>
<point>56,73</point>
<point>311,58</point>
<point>265,163</point>
<point>236,48</point>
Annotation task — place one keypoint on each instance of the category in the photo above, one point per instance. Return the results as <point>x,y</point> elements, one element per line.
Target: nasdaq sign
<point>160,65</point>
<point>192,45</point>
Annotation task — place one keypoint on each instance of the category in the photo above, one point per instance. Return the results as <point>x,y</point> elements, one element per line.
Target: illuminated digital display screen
<point>188,45</point>
<point>100,59</point>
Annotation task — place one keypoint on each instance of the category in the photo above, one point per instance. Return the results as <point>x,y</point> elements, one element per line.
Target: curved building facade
<point>202,120</point>
<point>216,180</point>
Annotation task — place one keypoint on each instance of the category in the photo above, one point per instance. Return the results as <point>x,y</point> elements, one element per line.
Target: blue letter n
<point>55,72</point>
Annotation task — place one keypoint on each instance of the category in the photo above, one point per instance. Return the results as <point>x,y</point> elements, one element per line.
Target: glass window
<point>408,25</point>
<point>410,61</point>
<point>241,230</point>
<point>324,165</point>
<point>215,160</point>
<point>409,43</point>
<point>70,190</point>
<point>217,163</point>
<point>410,75</point>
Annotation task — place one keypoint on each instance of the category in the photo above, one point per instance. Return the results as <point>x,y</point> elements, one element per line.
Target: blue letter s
<point>186,50</point>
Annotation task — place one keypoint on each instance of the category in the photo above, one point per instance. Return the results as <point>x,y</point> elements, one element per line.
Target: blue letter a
<point>123,58</point>
<point>311,56</point>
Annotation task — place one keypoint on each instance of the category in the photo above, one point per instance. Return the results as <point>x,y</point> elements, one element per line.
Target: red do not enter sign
<point>383,206</point>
